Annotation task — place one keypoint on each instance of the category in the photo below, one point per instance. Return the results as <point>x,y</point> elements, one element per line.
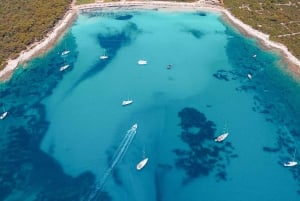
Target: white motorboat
<point>65,52</point>
<point>222,137</point>
<point>290,163</point>
<point>249,76</point>
<point>142,62</point>
<point>3,115</point>
<point>141,164</point>
<point>134,127</point>
<point>127,102</point>
<point>64,67</point>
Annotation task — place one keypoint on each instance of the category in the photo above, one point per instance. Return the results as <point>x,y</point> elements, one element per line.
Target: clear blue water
<point>65,137</point>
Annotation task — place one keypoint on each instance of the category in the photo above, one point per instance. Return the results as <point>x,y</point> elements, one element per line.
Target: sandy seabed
<point>44,45</point>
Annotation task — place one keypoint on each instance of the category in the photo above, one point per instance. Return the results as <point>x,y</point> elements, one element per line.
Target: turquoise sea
<point>66,136</point>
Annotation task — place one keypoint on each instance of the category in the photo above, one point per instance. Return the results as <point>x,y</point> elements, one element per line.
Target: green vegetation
<point>23,22</point>
<point>278,18</point>
<point>78,2</point>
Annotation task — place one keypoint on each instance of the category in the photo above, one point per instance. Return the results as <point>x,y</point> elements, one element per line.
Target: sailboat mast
<point>294,154</point>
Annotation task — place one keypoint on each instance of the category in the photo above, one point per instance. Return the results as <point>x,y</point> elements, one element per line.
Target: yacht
<point>141,164</point>
<point>64,67</point>
<point>65,52</point>
<point>142,62</point>
<point>127,102</point>
<point>222,137</point>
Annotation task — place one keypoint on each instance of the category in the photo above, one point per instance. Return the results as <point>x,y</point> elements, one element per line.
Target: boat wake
<point>117,157</point>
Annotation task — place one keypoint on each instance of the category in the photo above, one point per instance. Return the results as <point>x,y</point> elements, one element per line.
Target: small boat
<point>103,57</point>
<point>134,127</point>
<point>169,66</point>
<point>65,52</point>
<point>127,102</point>
<point>292,162</point>
<point>249,76</point>
<point>4,114</point>
<point>141,164</point>
<point>142,62</point>
<point>254,56</point>
<point>64,67</point>
<point>132,130</point>
<point>222,137</point>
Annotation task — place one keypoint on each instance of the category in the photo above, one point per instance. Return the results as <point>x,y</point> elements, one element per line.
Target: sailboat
<point>4,114</point>
<point>142,62</point>
<point>222,137</point>
<point>249,76</point>
<point>64,67</point>
<point>292,162</point>
<point>142,163</point>
<point>66,52</point>
<point>104,56</point>
<point>127,102</point>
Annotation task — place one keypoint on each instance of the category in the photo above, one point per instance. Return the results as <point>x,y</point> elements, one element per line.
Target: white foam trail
<point>119,154</point>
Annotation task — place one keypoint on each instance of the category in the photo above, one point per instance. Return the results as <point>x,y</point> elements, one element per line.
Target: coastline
<point>39,48</point>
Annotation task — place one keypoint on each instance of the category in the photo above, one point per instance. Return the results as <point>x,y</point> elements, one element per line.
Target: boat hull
<point>141,164</point>
<point>222,137</point>
<point>3,115</point>
<point>142,62</point>
<point>64,67</point>
<point>290,164</point>
<point>127,102</point>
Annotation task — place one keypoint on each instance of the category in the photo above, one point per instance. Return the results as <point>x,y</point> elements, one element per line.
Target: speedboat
<point>142,62</point>
<point>134,127</point>
<point>290,163</point>
<point>222,137</point>
<point>249,76</point>
<point>64,67</point>
<point>65,52</point>
<point>141,164</point>
<point>127,102</point>
<point>3,115</point>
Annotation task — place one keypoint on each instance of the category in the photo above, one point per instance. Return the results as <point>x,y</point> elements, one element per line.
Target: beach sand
<point>201,5</point>
<point>40,47</point>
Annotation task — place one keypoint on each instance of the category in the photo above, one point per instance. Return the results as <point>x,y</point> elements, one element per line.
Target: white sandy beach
<point>201,5</point>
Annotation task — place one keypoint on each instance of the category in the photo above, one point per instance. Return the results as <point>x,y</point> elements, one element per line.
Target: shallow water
<point>65,135</point>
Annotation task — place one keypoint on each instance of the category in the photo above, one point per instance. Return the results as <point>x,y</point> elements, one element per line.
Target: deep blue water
<point>65,136</point>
